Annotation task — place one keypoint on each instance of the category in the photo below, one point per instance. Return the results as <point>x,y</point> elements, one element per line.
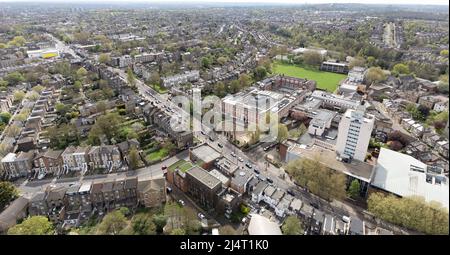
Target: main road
<point>336,208</point>
<point>226,148</point>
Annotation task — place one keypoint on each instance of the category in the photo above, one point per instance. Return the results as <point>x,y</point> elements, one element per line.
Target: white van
<point>346,219</point>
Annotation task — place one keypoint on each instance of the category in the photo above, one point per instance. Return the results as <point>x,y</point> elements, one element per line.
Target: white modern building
<point>405,176</point>
<point>251,107</point>
<point>354,133</point>
<point>43,53</point>
<point>260,225</point>
<point>125,60</point>
<point>357,74</point>
<point>321,122</point>
<point>335,101</point>
<point>179,79</point>
<point>322,52</point>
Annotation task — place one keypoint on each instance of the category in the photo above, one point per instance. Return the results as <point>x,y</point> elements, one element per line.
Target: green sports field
<point>325,80</point>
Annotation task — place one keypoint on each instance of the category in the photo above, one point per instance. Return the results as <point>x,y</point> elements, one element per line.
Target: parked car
<point>233,154</point>
<point>256,171</point>
<point>202,132</point>
<point>248,165</point>
<point>182,203</point>
<point>290,192</point>
<point>269,180</point>
<point>240,159</point>
<point>169,189</point>
<point>314,204</point>
<point>346,219</point>
<point>201,216</point>
<point>220,145</point>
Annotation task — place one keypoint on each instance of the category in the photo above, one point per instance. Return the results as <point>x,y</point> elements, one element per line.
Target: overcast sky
<point>428,2</point>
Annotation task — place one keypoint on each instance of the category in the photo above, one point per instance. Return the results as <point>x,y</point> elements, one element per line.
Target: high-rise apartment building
<point>354,133</point>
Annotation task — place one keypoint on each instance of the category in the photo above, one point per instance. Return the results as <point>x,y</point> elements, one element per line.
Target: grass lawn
<point>157,155</point>
<point>181,164</point>
<point>159,89</point>
<point>325,80</point>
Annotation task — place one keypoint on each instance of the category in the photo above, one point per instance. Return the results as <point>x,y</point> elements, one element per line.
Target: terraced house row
<point>58,162</point>
<point>70,206</point>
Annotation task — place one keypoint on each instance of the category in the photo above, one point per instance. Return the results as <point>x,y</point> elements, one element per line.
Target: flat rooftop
<point>322,117</point>
<point>359,170</point>
<point>205,153</point>
<point>259,100</point>
<point>227,166</point>
<point>404,176</point>
<point>204,177</point>
<point>219,176</point>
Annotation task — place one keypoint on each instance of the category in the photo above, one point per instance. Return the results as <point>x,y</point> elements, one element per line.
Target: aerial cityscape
<point>224,118</point>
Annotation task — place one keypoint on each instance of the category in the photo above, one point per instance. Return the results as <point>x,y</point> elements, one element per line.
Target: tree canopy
<point>142,224</point>
<point>292,226</point>
<point>112,224</point>
<point>312,57</point>
<point>35,225</point>
<point>104,58</point>
<point>354,189</point>
<point>317,178</point>
<point>411,212</point>
<point>283,133</point>
<point>260,73</point>
<point>107,126</point>
<point>375,74</point>
<point>8,193</point>
<point>400,69</point>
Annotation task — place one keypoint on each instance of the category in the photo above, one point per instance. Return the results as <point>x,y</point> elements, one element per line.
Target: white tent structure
<point>260,225</point>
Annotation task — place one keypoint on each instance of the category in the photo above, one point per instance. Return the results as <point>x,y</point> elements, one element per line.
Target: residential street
<point>29,188</point>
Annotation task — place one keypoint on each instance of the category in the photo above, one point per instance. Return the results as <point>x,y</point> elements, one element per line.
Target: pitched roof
<point>107,186</point>
<point>131,183</point>
<point>52,154</point>
<point>97,188</point>
<point>145,185</point>
<point>9,216</point>
<point>55,193</point>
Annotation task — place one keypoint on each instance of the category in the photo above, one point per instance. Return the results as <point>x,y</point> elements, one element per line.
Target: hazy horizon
<point>388,2</point>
